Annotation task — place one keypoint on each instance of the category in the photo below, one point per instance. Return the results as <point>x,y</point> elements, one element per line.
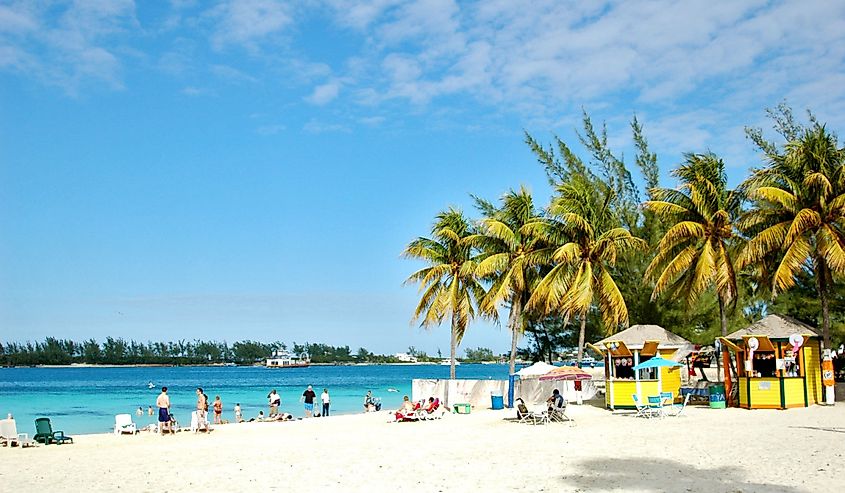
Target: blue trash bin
<point>497,401</point>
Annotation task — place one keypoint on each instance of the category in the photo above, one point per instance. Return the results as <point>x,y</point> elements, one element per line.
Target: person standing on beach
<point>202,405</point>
<point>308,397</point>
<point>218,410</point>
<point>326,400</point>
<point>238,415</point>
<point>275,402</point>
<point>163,404</point>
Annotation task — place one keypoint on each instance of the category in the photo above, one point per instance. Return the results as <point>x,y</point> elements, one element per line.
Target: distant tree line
<point>119,351</point>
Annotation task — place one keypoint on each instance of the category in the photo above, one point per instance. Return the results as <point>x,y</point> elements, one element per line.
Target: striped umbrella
<point>566,373</point>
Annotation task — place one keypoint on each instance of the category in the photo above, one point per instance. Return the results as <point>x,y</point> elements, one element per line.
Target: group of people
<point>408,409</point>
<point>167,421</point>
<point>307,399</point>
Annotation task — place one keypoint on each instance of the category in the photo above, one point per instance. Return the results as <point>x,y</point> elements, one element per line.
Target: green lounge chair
<point>44,433</point>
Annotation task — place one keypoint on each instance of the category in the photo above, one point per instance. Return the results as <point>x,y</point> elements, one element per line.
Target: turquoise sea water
<point>85,400</point>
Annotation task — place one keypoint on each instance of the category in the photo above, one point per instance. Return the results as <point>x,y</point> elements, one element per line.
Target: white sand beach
<point>704,450</point>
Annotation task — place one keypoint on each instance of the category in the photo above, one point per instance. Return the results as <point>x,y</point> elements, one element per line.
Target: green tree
<point>448,284</point>
<point>798,214</point>
<point>510,257</point>
<point>588,241</point>
<point>694,254</point>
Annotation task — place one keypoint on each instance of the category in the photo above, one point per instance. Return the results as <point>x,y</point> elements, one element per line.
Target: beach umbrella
<point>535,370</point>
<point>656,362</point>
<point>566,373</point>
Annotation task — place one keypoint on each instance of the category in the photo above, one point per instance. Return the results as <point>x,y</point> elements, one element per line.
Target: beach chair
<point>525,415</point>
<point>9,435</point>
<point>197,423</point>
<point>44,433</point>
<point>558,414</point>
<point>655,405</point>
<point>642,411</point>
<point>677,409</point>
<point>123,424</point>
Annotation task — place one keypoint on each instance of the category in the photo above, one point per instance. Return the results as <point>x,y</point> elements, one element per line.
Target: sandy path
<point>706,450</point>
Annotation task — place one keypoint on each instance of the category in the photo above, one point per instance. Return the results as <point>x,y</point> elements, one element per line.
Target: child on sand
<point>238,416</point>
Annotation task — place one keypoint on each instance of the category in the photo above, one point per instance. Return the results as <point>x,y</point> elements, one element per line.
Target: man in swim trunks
<point>202,406</point>
<point>163,404</point>
<point>308,397</point>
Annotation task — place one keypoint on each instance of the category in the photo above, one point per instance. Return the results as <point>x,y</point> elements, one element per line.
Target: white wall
<point>477,392</point>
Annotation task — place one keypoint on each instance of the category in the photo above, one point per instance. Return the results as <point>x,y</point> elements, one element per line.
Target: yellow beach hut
<point>634,345</point>
<point>778,364</point>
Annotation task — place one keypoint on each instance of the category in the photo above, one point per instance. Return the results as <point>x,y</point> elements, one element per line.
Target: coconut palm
<point>695,252</point>
<point>584,229</point>
<point>448,284</point>
<point>509,257</point>
<point>799,213</point>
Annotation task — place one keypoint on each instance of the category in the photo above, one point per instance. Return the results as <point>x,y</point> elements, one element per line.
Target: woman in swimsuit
<point>218,410</point>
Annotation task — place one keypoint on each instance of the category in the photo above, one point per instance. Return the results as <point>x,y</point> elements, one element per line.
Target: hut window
<point>764,364</point>
<point>647,373</point>
<point>623,368</point>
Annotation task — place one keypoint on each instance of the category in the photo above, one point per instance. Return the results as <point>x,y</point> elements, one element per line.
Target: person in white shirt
<point>326,401</point>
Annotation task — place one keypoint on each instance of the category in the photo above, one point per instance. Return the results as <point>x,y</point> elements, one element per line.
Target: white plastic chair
<point>9,434</point>
<point>123,424</point>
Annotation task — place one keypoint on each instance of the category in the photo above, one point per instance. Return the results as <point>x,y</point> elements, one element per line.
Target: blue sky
<point>254,168</point>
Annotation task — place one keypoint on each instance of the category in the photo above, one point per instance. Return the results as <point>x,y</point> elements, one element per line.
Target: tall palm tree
<point>799,213</point>
<point>448,284</point>
<point>695,252</point>
<point>509,257</point>
<point>588,239</point>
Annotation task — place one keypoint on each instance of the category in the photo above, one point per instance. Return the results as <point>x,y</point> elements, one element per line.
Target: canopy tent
<point>566,373</point>
<point>535,370</point>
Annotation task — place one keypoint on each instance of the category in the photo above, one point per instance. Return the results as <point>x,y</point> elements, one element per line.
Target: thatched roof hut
<point>774,327</point>
<point>635,337</point>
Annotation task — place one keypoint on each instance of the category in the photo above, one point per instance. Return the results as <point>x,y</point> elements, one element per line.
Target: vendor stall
<point>631,347</point>
<point>777,364</point>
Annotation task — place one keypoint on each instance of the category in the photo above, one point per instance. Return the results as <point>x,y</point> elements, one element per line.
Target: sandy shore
<point>706,450</point>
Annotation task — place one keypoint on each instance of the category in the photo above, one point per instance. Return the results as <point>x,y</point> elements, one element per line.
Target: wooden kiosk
<point>632,346</point>
<point>778,364</point>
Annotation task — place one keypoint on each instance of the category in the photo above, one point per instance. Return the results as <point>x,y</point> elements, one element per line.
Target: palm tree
<point>695,252</point>
<point>588,239</point>
<point>448,284</point>
<point>799,212</point>
<point>509,257</point>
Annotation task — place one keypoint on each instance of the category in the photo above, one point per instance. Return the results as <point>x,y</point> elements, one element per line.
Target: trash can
<point>717,396</point>
<point>497,401</point>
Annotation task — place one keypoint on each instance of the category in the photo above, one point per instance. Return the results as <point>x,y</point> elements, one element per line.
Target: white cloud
<point>324,93</point>
<point>66,45</point>
<point>248,22</point>
<point>317,127</point>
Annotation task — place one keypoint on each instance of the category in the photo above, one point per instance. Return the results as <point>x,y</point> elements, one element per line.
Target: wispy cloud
<point>65,45</point>
<point>267,130</point>
<point>248,22</point>
<point>317,127</point>
<point>324,93</point>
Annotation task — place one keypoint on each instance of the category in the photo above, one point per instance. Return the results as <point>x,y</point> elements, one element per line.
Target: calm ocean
<point>85,400</point>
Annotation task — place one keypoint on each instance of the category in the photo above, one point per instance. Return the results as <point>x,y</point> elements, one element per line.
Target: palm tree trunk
<point>453,345</point>
<point>515,324</point>
<point>723,321</point>
<point>822,284</point>
<point>581,335</point>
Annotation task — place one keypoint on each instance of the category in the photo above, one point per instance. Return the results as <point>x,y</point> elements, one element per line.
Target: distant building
<point>405,358</point>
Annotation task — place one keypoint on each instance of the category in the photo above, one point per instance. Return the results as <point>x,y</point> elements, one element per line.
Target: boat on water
<point>446,362</point>
<point>283,359</point>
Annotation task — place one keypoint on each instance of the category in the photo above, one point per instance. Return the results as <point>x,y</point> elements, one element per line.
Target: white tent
<point>535,370</point>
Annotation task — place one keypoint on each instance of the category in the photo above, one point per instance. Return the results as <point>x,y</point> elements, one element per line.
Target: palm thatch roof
<point>775,327</point>
<point>635,336</point>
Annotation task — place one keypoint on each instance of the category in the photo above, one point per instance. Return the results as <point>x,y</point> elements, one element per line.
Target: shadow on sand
<point>820,428</point>
<point>659,475</point>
